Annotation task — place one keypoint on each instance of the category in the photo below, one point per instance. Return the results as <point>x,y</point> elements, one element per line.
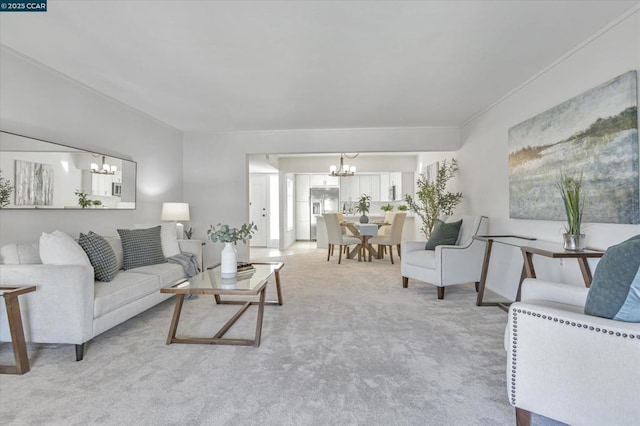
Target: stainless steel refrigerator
<point>322,200</point>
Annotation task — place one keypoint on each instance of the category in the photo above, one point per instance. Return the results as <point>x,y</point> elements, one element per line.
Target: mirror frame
<point>69,150</point>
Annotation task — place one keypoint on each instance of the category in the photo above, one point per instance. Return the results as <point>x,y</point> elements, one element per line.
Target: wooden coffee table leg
<point>176,318</point>
<point>278,288</point>
<point>263,294</point>
<point>17,337</point>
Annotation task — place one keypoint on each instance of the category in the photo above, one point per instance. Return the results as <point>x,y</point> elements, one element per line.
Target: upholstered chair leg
<point>380,251</point>
<point>477,286</point>
<point>399,254</point>
<point>340,255</point>
<point>391,254</point>
<point>405,282</point>
<point>523,417</point>
<point>80,351</point>
<point>329,251</point>
<point>440,293</point>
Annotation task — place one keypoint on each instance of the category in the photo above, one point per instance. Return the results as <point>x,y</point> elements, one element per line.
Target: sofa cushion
<point>125,288</point>
<point>443,234</point>
<point>59,248</point>
<point>141,247</point>
<point>101,255</point>
<point>421,258</point>
<point>20,254</point>
<point>615,291</point>
<point>168,237</point>
<point>116,245</point>
<point>167,273</point>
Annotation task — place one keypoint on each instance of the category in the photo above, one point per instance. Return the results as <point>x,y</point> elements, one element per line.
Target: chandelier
<point>105,169</point>
<point>343,169</point>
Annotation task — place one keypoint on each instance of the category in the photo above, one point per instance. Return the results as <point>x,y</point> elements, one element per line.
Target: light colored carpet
<point>350,346</point>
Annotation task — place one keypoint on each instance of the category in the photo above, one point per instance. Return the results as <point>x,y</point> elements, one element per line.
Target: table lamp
<point>176,212</point>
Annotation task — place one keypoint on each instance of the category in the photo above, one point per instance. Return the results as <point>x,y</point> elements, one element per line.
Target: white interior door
<point>259,208</point>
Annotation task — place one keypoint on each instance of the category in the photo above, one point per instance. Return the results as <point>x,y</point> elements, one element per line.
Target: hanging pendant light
<point>343,169</point>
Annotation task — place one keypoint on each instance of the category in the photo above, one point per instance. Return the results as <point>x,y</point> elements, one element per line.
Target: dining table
<point>364,231</point>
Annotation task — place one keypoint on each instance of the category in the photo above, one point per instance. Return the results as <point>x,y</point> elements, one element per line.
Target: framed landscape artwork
<point>34,184</point>
<point>594,134</point>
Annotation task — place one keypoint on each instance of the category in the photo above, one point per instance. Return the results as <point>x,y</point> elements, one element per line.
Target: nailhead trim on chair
<point>514,333</point>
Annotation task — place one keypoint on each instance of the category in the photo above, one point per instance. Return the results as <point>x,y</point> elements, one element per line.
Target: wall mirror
<point>46,175</point>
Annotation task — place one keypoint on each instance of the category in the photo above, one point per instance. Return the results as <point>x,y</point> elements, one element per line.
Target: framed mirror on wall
<point>47,175</point>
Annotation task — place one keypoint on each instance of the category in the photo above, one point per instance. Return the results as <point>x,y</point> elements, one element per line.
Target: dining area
<point>363,241</point>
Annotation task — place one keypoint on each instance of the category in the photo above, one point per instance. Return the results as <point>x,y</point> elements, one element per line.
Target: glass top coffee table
<point>246,283</point>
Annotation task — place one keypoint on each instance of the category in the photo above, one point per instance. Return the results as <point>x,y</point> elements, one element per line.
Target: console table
<point>10,295</point>
<point>530,246</point>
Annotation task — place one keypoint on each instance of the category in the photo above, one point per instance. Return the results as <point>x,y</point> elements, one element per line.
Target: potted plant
<point>5,191</point>
<point>432,198</point>
<point>402,208</point>
<point>83,201</point>
<point>364,203</point>
<point>230,237</point>
<point>386,208</point>
<point>570,190</point>
<point>96,203</point>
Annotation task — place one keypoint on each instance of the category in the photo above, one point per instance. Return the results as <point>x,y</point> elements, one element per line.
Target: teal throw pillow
<point>141,247</point>
<point>443,234</point>
<point>101,255</point>
<point>615,291</point>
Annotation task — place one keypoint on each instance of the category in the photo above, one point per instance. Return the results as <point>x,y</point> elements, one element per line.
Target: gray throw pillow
<point>615,291</point>
<point>443,234</point>
<point>141,247</point>
<point>101,255</point>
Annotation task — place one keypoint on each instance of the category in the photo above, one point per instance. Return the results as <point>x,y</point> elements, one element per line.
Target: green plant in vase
<point>402,208</point>
<point>386,208</point>
<point>363,206</point>
<point>83,201</point>
<point>230,237</point>
<point>570,188</point>
<point>5,191</point>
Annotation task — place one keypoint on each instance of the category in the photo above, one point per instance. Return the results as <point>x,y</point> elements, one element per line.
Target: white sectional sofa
<point>69,306</point>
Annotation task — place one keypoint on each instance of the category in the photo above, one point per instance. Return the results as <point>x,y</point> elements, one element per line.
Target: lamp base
<point>180,231</point>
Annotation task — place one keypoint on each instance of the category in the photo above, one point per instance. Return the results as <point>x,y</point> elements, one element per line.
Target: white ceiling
<point>262,65</point>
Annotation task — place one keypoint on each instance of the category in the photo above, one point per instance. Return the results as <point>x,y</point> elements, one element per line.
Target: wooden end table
<point>18,343</point>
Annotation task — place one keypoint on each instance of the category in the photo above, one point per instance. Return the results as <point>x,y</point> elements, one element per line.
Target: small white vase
<point>228,261</point>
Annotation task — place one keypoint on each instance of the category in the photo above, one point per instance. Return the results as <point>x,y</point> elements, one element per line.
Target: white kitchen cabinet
<point>375,187</point>
<point>303,226</point>
<point>302,188</point>
<point>324,180</point>
<point>365,184</point>
<point>395,179</point>
<point>384,187</point>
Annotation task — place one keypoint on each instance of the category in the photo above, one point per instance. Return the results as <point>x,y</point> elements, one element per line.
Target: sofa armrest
<point>536,289</point>
<point>61,308</point>
<point>409,246</point>
<point>558,357</point>
<point>193,247</point>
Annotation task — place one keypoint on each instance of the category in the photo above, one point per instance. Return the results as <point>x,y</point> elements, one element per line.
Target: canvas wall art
<point>431,172</point>
<point>34,184</point>
<point>596,134</point>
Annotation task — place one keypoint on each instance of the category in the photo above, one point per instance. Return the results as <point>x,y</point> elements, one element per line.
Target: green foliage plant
<point>386,208</point>
<point>96,203</point>
<point>83,201</point>
<point>432,198</point>
<point>227,234</point>
<point>364,203</point>
<point>5,191</point>
<point>570,188</point>
<point>402,208</point>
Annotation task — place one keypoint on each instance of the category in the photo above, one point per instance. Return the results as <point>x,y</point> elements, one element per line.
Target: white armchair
<point>447,264</point>
<point>568,366</point>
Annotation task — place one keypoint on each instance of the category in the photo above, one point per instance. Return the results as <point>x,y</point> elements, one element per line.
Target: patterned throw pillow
<point>141,247</point>
<point>443,234</point>
<point>101,256</point>
<point>615,291</point>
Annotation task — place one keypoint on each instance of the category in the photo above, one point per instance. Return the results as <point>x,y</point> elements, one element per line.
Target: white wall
<point>483,156</point>
<point>216,170</point>
<point>38,102</point>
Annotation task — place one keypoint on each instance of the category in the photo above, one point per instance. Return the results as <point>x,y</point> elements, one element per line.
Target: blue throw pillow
<point>615,291</point>
<point>443,234</point>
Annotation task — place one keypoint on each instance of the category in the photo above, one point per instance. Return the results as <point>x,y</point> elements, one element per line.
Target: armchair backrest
<point>471,226</point>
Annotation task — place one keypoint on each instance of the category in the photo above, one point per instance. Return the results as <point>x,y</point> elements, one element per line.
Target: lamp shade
<point>175,211</point>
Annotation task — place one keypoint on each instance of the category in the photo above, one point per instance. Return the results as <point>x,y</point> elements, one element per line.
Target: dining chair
<point>394,238</point>
<point>335,236</point>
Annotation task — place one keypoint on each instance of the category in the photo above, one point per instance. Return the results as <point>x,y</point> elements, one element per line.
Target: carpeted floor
<point>349,346</point>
